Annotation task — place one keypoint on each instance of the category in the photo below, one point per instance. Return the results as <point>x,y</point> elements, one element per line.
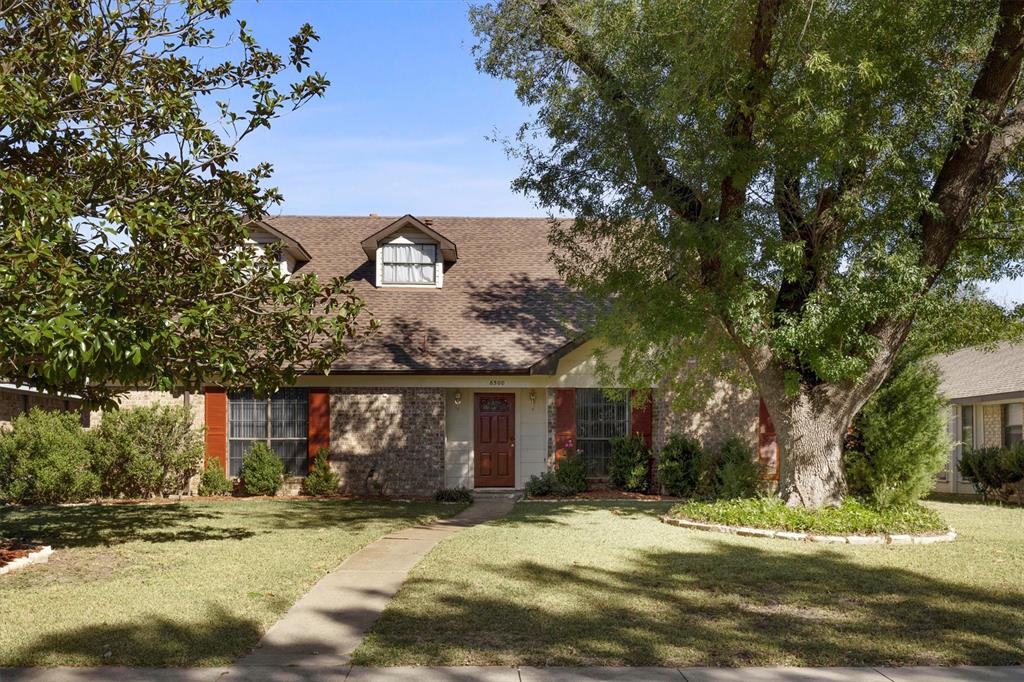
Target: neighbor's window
<point>280,421</point>
<point>408,263</point>
<point>599,419</point>
<point>1013,423</point>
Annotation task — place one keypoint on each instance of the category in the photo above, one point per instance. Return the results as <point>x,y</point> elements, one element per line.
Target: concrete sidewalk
<point>327,624</point>
<point>524,674</point>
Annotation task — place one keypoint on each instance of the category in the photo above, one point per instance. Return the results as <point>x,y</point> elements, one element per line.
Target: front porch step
<point>497,494</point>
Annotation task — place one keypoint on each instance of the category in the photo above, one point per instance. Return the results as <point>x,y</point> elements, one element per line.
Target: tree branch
<point>651,169</point>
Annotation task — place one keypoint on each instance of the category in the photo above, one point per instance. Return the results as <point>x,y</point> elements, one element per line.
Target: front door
<point>494,440</point>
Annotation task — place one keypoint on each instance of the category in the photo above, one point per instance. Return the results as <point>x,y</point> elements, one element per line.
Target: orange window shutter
<point>319,421</point>
<point>565,421</point>
<point>216,419</point>
<point>641,418</point>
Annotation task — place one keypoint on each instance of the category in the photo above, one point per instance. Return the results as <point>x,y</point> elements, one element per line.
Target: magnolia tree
<point>123,214</point>
<point>797,184</point>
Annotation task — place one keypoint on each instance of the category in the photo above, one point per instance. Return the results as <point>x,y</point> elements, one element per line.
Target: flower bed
<point>769,517</point>
<point>15,554</point>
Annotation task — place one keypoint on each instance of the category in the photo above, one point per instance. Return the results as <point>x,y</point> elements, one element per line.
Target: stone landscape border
<point>40,556</point>
<point>878,539</point>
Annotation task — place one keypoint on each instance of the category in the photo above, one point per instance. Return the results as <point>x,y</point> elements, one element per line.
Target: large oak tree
<point>124,214</point>
<point>797,183</point>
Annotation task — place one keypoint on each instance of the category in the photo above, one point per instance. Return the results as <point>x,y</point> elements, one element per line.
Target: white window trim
<point>409,238</point>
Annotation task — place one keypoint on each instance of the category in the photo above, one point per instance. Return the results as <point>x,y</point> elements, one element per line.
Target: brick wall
<point>730,411</point>
<point>14,403</point>
<point>388,440</point>
<point>145,398</point>
<point>992,425</point>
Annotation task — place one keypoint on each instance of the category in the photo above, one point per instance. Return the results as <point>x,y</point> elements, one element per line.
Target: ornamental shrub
<point>45,459</point>
<point>567,478</point>
<point>737,473</point>
<point>262,471</point>
<point>214,482</point>
<point>681,465</point>
<point>147,451</point>
<point>900,441</point>
<point>994,471</point>
<point>321,479</point>
<point>630,464</point>
<point>460,494</point>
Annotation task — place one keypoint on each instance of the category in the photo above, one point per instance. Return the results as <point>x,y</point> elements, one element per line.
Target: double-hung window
<point>281,421</point>
<point>408,263</point>
<point>1013,424</point>
<point>599,420</point>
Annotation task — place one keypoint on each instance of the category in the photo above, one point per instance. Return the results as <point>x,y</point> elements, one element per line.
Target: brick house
<point>985,390</point>
<point>473,379</point>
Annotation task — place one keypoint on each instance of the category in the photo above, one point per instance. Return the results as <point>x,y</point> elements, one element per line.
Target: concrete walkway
<point>524,674</point>
<point>327,624</point>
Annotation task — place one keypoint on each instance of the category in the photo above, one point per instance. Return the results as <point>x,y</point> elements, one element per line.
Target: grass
<point>175,584</point>
<point>608,584</point>
<point>852,518</point>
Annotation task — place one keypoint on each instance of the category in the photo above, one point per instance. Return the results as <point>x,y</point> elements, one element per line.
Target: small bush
<point>45,459</point>
<point>900,441</point>
<point>680,466</point>
<point>566,479</point>
<point>262,471</point>
<point>460,494</point>
<point>147,451</point>
<point>321,479</point>
<point>737,472</point>
<point>214,482</point>
<point>630,464</point>
<point>851,518</point>
<point>994,471</point>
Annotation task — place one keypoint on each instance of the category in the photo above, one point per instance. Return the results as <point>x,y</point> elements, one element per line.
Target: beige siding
<point>14,403</point>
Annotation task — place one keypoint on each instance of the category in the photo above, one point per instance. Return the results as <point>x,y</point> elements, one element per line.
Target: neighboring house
<point>473,380</point>
<point>985,390</point>
<point>17,400</point>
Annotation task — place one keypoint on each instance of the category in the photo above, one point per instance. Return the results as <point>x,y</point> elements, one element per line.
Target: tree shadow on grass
<point>731,604</point>
<point>155,641</point>
<point>106,525</point>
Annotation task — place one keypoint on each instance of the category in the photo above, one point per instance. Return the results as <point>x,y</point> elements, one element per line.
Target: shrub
<point>460,494</point>
<point>903,440</point>
<point>737,472</point>
<point>630,464</point>
<point>681,464</point>
<point>993,471</point>
<point>321,479</point>
<point>567,478</point>
<point>214,482</point>
<point>262,471</point>
<point>45,459</point>
<point>147,451</point>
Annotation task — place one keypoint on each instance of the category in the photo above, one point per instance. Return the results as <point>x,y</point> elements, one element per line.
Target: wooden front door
<point>494,440</point>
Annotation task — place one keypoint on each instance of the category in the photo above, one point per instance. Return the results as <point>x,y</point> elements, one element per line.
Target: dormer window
<point>409,252</point>
<point>409,264</point>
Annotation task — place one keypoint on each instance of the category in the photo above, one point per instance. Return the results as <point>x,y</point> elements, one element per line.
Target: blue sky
<point>403,126</point>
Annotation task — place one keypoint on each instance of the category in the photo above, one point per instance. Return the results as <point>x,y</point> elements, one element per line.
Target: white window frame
<point>405,239</point>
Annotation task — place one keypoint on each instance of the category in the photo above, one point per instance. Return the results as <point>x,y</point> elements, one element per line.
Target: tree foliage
<point>796,183</point>
<point>124,216</point>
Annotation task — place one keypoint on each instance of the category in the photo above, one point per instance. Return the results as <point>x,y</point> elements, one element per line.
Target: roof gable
<point>448,250</point>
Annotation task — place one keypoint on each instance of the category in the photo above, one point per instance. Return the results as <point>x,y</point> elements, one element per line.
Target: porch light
<point>533,397</point>
<point>457,398</point>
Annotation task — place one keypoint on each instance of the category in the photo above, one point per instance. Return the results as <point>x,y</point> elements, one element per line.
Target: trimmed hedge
<point>46,458</point>
<point>214,481</point>
<point>567,478</point>
<point>321,479</point>
<point>262,471</point>
<point>630,464</point>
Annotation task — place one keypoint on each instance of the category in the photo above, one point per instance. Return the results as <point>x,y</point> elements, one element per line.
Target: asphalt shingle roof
<point>973,372</point>
<point>501,307</point>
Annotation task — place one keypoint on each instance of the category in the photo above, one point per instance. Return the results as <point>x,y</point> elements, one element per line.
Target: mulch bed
<point>15,549</point>
<point>605,494</point>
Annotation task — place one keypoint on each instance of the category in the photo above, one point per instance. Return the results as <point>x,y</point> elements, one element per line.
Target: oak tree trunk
<point>810,433</point>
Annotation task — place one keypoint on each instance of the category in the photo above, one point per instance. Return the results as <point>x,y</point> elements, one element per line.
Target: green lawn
<point>600,584</point>
<point>175,584</point>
